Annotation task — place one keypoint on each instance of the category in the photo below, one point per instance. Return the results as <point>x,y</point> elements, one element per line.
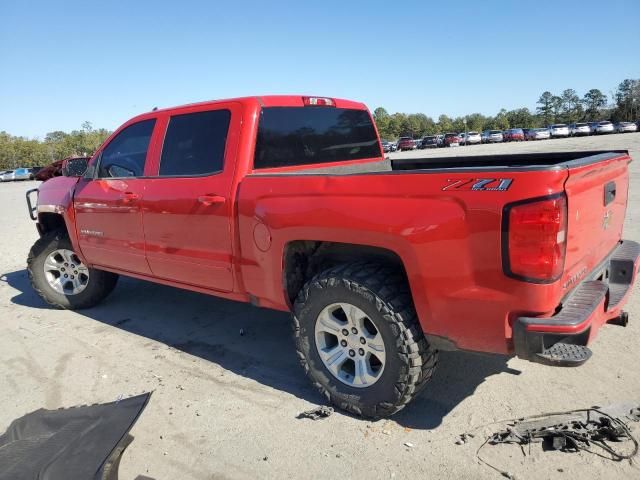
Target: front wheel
<point>359,341</point>
<point>61,279</point>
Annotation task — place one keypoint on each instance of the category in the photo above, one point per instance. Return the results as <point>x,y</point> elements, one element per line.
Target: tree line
<point>568,107</point>
<point>25,152</point>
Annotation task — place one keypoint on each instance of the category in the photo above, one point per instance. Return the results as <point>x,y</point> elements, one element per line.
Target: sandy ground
<point>225,404</point>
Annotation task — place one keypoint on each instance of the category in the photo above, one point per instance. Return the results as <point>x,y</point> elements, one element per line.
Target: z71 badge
<point>480,184</point>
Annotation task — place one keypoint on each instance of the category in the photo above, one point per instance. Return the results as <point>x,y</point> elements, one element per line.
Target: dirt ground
<point>225,404</point>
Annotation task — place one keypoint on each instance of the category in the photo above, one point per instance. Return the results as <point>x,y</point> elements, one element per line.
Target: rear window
<point>290,136</point>
<point>493,132</point>
<point>605,123</point>
<point>558,125</point>
<point>581,124</point>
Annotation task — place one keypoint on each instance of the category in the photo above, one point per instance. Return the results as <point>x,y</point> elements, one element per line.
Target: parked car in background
<point>386,146</point>
<point>624,127</point>
<point>430,141</point>
<point>6,175</point>
<point>558,130</point>
<point>471,138</point>
<point>592,127</point>
<point>406,143</point>
<point>514,135</point>
<point>579,129</point>
<point>452,140</point>
<point>537,134</point>
<point>22,174</point>
<point>604,127</point>
<point>440,139</point>
<point>492,136</point>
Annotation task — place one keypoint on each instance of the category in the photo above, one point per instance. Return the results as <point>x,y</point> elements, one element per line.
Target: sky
<point>63,63</point>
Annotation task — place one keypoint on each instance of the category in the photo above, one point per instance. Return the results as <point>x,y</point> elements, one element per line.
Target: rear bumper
<point>594,302</point>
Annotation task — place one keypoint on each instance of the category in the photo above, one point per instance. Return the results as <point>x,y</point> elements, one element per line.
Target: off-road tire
<point>382,292</point>
<point>100,283</point>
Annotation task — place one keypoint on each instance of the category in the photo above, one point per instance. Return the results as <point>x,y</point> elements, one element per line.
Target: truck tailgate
<point>596,191</point>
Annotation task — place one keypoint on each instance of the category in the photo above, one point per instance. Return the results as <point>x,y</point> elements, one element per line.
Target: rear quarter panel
<point>449,241</point>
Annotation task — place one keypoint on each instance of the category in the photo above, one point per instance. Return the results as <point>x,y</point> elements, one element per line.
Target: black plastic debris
<point>79,443</point>
<point>317,413</point>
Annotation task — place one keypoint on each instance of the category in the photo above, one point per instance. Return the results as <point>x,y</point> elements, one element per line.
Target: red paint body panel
<point>232,243</point>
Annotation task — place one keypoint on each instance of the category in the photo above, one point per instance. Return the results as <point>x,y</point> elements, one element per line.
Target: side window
<point>126,153</point>
<point>194,143</point>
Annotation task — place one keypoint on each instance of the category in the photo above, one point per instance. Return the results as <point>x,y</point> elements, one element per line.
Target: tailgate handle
<point>609,193</point>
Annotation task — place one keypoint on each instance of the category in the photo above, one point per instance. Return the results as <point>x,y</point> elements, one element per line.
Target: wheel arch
<point>303,259</point>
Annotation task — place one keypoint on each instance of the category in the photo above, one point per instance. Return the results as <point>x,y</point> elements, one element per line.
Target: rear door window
<point>290,136</point>
<point>125,155</point>
<point>194,144</point>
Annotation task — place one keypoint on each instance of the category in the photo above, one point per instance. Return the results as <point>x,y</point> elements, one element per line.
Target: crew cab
<point>288,203</point>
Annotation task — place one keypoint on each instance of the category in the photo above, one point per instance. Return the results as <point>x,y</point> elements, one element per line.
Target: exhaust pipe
<point>622,320</point>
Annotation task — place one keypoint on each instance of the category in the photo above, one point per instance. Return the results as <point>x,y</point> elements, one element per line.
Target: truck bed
<point>462,163</point>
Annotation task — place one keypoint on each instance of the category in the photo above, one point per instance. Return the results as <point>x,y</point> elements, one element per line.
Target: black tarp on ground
<point>76,443</point>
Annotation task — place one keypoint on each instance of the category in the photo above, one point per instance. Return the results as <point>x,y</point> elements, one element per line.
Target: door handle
<point>211,199</point>
<point>128,197</point>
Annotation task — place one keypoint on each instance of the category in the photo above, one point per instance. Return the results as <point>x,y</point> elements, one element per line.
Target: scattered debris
<point>242,332</point>
<point>570,431</point>
<point>408,444</point>
<point>386,432</point>
<point>317,413</point>
<point>265,458</point>
<point>464,438</point>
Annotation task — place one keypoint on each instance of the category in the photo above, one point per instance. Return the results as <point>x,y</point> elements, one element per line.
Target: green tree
<point>445,124</point>
<point>570,106</point>
<point>594,101</point>
<point>546,107</point>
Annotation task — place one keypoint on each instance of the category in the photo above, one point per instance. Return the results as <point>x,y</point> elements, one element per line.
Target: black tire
<point>100,283</point>
<point>383,294</point>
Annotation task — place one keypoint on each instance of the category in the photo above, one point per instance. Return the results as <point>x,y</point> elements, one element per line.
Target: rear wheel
<point>359,341</point>
<point>58,275</point>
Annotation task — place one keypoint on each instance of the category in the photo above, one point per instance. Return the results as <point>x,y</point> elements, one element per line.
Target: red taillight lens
<point>535,239</point>
<point>318,102</point>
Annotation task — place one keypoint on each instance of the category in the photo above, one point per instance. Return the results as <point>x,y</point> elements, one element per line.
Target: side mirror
<point>75,167</point>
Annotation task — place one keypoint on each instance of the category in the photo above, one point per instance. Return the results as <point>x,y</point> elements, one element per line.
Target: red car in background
<point>514,135</point>
<point>406,143</point>
<point>452,140</point>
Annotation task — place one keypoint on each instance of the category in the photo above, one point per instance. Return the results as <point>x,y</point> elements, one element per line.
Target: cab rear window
<point>289,136</point>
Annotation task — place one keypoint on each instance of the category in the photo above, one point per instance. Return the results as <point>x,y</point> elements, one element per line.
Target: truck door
<point>187,203</point>
<point>108,204</point>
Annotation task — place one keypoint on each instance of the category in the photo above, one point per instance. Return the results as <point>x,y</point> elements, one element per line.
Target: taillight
<point>318,102</point>
<point>534,239</point>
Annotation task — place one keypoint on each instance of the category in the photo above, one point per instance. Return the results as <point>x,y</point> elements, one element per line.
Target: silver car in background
<point>558,130</point>
<point>537,134</point>
<point>604,127</point>
<point>624,127</point>
<point>579,129</point>
<point>6,176</point>
<point>492,136</point>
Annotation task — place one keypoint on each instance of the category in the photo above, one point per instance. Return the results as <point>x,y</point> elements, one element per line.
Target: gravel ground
<point>225,404</point>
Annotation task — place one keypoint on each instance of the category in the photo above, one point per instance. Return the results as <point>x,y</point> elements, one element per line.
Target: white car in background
<point>558,130</point>
<point>604,127</point>
<point>470,138</point>
<point>623,127</point>
<point>536,134</point>
<point>579,129</point>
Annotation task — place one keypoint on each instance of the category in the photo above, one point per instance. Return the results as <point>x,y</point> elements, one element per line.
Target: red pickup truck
<point>287,202</point>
